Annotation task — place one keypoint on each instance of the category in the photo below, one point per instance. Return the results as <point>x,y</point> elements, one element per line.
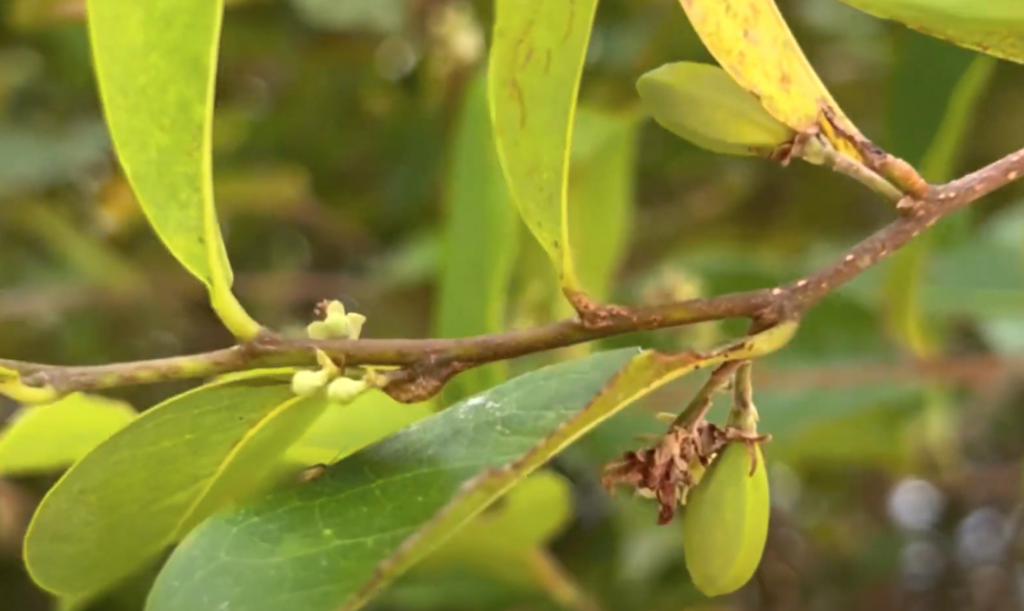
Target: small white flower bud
<point>307,382</point>
<point>344,390</point>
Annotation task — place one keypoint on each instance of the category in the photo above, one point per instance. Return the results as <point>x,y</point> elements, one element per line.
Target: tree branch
<point>434,360</point>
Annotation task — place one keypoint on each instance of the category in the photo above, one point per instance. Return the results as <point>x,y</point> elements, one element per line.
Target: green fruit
<point>725,523</point>
<point>995,27</point>
<point>703,104</point>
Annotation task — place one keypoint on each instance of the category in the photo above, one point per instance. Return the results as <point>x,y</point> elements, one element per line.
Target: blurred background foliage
<point>896,413</point>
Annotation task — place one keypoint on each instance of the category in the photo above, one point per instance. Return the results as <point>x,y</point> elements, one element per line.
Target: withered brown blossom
<point>668,470</point>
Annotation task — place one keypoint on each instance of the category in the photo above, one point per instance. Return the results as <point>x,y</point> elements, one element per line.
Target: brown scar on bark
<point>421,382</point>
<point>594,315</point>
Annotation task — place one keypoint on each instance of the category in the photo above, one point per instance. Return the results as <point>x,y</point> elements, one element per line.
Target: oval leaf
<point>335,541</point>
<point>480,242</point>
<point>156,65</point>
<point>601,196</point>
<point>536,62</point>
<point>703,104</point>
<point>906,272</point>
<point>52,436</point>
<point>151,482</point>
<point>995,27</point>
<point>752,42</point>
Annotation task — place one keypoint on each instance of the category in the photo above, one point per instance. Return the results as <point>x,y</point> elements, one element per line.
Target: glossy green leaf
<point>345,428</point>
<point>335,541</point>
<point>536,62</point>
<point>480,242</point>
<point>52,436</point>
<point>154,480</point>
<point>156,65</point>
<point>701,103</point>
<point>995,27</point>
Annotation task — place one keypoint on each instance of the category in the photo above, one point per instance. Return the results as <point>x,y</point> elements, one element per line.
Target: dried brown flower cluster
<point>668,470</point>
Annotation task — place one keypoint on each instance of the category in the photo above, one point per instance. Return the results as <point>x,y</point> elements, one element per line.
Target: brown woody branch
<point>427,363</point>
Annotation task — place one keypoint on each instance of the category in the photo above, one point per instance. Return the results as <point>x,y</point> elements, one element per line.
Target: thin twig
<point>701,402</point>
<point>426,357</point>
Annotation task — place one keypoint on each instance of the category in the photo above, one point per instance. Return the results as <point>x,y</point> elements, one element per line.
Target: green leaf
<point>601,206</point>
<point>601,196</point>
<point>995,27</point>
<point>156,66</point>
<point>345,428</point>
<point>856,425</point>
<point>536,62</point>
<point>752,42</point>
<point>380,16</point>
<point>480,242</point>
<point>52,436</point>
<point>924,75</point>
<point>335,541</point>
<point>701,103</point>
<point>906,272</point>
<point>31,161</point>
<point>150,483</point>
<point>82,252</point>
<point>503,540</point>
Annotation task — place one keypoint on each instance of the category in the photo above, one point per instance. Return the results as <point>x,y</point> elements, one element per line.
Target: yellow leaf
<point>752,42</point>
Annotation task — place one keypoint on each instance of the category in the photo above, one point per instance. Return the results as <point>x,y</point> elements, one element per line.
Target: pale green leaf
<point>752,42</point>
<point>905,274</point>
<point>52,436</point>
<point>333,542</point>
<point>536,62</point>
<point>31,161</point>
<point>995,27</point>
<point>151,482</point>
<point>345,428</point>
<point>156,65</point>
<point>601,197</point>
<point>704,105</point>
<point>379,16</point>
<point>502,540</point>
<point>480,242</point>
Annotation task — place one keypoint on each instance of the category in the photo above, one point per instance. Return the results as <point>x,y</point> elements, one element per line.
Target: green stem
<point>701,402</point>
<point>744,415</point>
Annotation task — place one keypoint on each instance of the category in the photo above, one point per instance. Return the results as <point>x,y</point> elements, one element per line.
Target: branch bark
<point>431,361</point>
